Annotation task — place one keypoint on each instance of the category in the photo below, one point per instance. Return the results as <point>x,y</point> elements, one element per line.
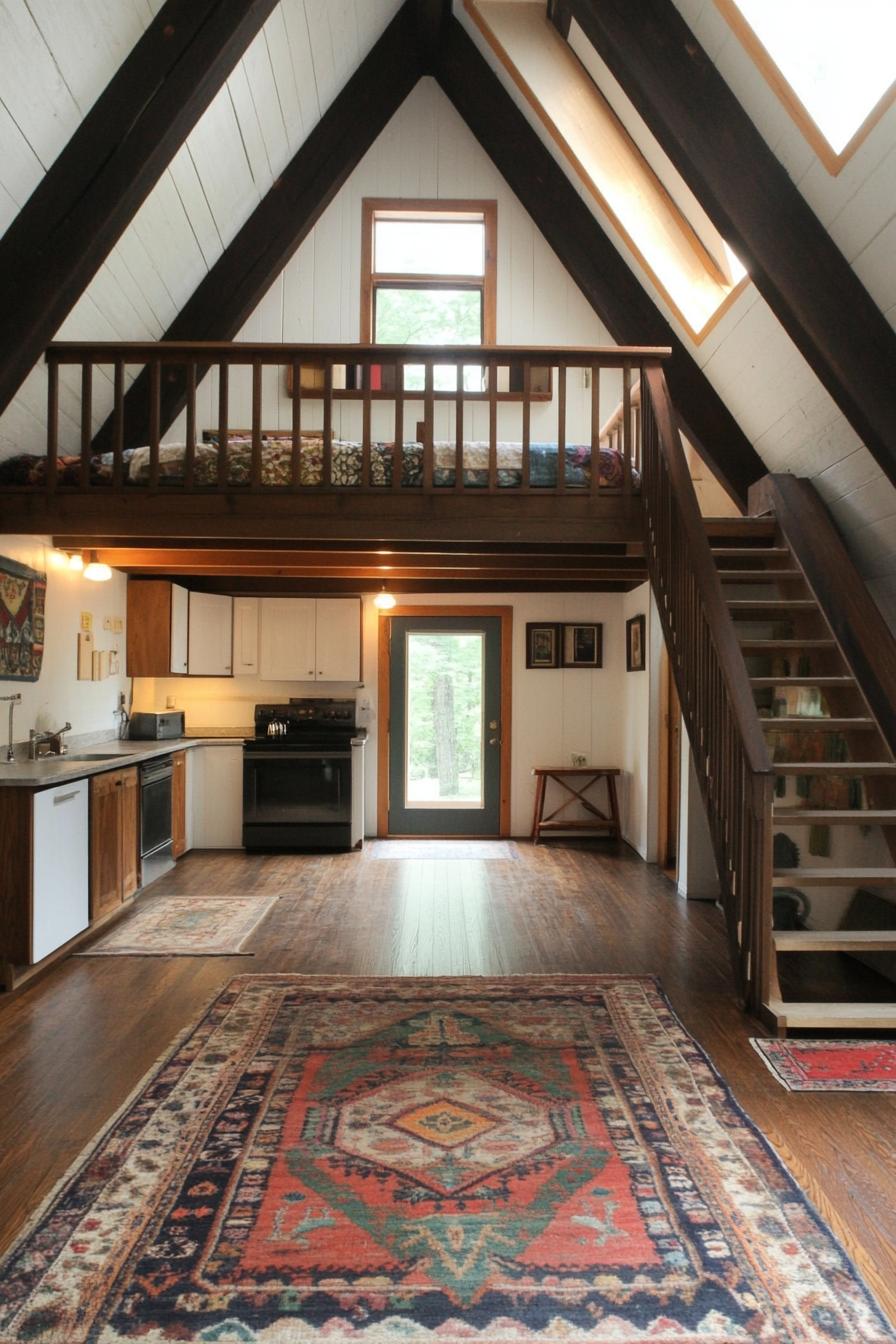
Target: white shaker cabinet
<point>245,636</point>
<point>338,645</point>
<point>211,635</point>
<point>215,805</point>
<point>180,626</point>
<point>61,850</point>
<point>288,638</point>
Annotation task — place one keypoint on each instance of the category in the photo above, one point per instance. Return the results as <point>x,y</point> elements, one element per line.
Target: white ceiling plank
<point>296,24</point>
<point>250,129</point>
<point>146,325</point>
<point>162,226</point>
<point>263,88</point>
<point>216,148</point>
<point>277,38</point>
<point>189,189</point>
<point>33,89</point>
<point>89,41</point>
<point>20,168</point>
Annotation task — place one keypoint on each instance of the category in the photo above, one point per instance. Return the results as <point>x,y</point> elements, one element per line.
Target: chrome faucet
<point>52,741</point>
<point>13,701</point>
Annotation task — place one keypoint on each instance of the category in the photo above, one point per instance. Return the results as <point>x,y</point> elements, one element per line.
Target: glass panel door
<point>445,716</point>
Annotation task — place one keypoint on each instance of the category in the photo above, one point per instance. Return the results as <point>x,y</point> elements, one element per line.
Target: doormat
<point>185,926</point>
<point>830,1066</point>
<point>393,1160</point>
<point>444,849</point>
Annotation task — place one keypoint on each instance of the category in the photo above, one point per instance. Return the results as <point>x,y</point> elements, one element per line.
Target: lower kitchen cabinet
<point>178,803</point>
<point>114,839</point>
<point>216,792</point>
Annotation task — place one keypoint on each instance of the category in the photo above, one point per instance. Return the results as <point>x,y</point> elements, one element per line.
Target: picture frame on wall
<point>582,644</point>
<point>635,650</point>
<point>542,644</point>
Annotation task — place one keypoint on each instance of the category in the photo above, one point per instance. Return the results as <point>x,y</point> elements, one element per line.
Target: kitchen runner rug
<point>444,849</point>
<point>184,926</point>
<point>527,1159</point>
<point>830,1066</point>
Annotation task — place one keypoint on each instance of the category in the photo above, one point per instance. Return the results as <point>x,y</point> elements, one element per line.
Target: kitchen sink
<point>89,756</point>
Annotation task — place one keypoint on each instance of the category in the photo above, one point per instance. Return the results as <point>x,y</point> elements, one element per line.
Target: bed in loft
<point>346,466</point>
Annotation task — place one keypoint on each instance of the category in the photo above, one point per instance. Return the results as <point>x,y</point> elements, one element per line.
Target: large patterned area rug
<point>830,1066</point>
<point>457,1160</point>
<point>184,926</point>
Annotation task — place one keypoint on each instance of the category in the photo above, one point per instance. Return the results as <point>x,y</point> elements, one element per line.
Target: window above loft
<point>619,163</point>
<point>832,64</point>
<point>428,278</point>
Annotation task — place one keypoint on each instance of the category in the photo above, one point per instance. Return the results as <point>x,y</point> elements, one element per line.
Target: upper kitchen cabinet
<point>245,636</point>
<point>210,645</point>
<point>310,639</point>
<point>158,618</point>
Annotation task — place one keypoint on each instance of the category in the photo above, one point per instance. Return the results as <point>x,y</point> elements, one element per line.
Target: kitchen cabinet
<point>114,839</point>
<point>210,652</point>
<point>178,803</point>
<point>310,639</point>
<point>157,635</point>
<point>245,636</point>
<point>59,895</point>
<point>216,794</point>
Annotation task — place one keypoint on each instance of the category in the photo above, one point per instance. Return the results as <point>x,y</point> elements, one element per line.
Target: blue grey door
<point>445,725</point>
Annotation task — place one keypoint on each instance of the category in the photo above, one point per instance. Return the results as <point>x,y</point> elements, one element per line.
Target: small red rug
<point>831,1066</point>
<point>325,1161</point>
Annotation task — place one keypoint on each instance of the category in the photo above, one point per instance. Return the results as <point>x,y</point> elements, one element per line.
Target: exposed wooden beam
<point>242,585</point>
<point>210,559</point>
<point>755,205</point>
<point>585,250</point>
<point>89,195</point>
<point>431,17</point>
<point>509,551</point>
<point>247,268</point>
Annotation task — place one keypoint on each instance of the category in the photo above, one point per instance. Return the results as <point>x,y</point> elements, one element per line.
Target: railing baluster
<point>428,375</point>
<point>52,423</point>
<point>86,422</point>
<point>327,470</point>
<point>190,458</point>
<point>595,428</point>
<point>223,424</point>
<point>255,476</point>
<point>526,463</point>
<point>366,411</point>
<point>459,428</point>
<point>296,427</point>
<point>560,485</point>
<point>398,445</point>
<point>118,425</point>
<point>492,426</point>
<point>155,421</point>
<point>627,429</point>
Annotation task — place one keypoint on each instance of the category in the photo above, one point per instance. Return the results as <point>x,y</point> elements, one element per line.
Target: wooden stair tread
<point>847,768</point>
<point>759,575</point>
<point>800,1014</point>
<point>749,552</point>
<point>761,528</point>
<point>821,722</point>
<point>835,940</point>
<point>823,683</point>
<point>853,816</point>
<point>798,645</point>
<point>779,604</point>
<point>833,877</point>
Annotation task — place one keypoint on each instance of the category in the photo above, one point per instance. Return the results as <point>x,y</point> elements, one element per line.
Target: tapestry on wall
<point>534,1160</point>
<point>22,598</point>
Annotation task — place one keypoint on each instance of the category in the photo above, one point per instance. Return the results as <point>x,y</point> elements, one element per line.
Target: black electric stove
<point>297,776</point>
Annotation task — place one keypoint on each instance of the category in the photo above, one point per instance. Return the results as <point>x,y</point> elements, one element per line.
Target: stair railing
<point>730,756</point>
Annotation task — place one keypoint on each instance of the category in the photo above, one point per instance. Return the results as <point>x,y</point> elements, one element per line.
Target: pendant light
<point>384,601</point>
<point>76,561</point>
<point>96,570</point>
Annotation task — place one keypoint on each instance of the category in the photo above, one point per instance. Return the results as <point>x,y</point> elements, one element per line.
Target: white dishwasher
<point>60,890</point>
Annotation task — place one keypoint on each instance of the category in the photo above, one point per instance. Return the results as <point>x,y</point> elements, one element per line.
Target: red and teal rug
<point>504,1161</point>
<point>830,1066</point>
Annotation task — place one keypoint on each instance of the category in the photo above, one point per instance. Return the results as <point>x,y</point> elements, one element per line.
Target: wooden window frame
<point>780,85</point>
<point>373,208</point>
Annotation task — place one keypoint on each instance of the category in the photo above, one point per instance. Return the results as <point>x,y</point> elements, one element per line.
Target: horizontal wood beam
<point>319,547</point>
<point>249,265</point>
<point>94,188</point>
<point>378,577</point>
<point>607,282</point>
<point>209,559</point>
<point>243,585</point>
<point>753,202</point>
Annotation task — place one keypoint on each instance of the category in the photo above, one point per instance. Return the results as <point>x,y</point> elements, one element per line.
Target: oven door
<point>296,788</point>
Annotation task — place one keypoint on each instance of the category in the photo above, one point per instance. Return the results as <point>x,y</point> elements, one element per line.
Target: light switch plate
<point>118,625</point>
<point>86,620</point>
<point>107,622</point>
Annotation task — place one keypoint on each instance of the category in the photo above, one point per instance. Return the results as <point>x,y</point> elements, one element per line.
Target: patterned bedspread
<point>276,464</point>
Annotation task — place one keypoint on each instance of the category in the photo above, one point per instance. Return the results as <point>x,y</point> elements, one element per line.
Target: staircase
<point>786,674</point>
<point>793,659</point>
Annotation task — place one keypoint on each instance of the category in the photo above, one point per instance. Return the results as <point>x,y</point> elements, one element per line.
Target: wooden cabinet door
<point>338,645</point>
<point>179,803</point>
<point>211,635</point>
<point>105,842</point>
<point>287,639</point>
<point>180,618</point>
<point>245,636</point>
<point>129,830</point>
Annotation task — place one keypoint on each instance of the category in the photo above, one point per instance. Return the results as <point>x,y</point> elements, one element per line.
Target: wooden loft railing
<point>729,751</point>
<point>503,376</point>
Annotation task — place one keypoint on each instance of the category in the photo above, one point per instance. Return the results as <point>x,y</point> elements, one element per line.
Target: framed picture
<point>582,646</point>
<point>635,660</point>
<point>542,644</point>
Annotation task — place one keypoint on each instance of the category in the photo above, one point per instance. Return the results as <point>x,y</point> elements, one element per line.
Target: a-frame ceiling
<point>861,387</point>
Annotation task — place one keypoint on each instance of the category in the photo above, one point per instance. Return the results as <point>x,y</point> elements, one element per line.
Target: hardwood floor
<point>75,1043</point>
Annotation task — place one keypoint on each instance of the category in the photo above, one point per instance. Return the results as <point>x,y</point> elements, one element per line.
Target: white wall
<point>57,695</point>
<point>640,721</point>
<point>554,713</point>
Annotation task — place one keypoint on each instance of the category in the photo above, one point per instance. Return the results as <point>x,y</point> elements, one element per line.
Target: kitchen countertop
<point>50,770</point>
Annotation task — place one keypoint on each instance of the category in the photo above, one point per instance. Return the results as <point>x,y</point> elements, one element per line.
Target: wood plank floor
<point>76,1042</point>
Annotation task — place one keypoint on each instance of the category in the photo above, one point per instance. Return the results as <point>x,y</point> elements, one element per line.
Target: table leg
<point>614,806</point>
<point>540,782</point>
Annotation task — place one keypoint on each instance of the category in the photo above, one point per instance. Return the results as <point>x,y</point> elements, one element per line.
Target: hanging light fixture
<point>96,570</point>
<point>384,601</point>
<point>76,561</point>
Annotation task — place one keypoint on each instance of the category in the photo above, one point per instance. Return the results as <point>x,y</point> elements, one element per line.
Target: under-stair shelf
<point>806,816</point>
<point>834,877</point>
<point>835,940</point>
<point>833,1016</point>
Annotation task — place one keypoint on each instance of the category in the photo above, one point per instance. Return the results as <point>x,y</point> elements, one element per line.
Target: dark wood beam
<point>245,271</point>
<point>431,16</point>
<point>350,563</point>
<point>755,205</point>
<point>520,553</point>
<point>598,269</point>
<point>270,586</point>
<point>89,195</point>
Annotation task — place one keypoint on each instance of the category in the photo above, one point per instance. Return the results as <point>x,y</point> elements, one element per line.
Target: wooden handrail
<point>729,751</point>
<point>271,352</point>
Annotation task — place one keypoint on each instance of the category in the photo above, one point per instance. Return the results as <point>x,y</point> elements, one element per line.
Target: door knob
<point>494,741</point>
<point>493,723</point>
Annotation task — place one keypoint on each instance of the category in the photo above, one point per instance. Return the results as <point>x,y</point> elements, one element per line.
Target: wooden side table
<point>586,776</point>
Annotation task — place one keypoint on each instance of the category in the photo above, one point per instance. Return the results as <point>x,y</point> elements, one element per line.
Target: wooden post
<point>255,476</point>
<point>296,442</point>
<point>190,458</point>
<point>118,425</point>
<point>155,428</point>
<point>223,424</point>
<point>86,421</point>
<point>52,423</point>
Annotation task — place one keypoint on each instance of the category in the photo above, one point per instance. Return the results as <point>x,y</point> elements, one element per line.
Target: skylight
<point>837,60</point>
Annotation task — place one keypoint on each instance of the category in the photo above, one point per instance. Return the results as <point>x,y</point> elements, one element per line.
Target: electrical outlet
<point>577,758</point>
